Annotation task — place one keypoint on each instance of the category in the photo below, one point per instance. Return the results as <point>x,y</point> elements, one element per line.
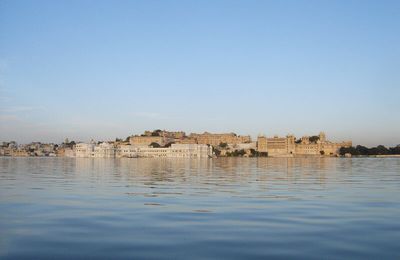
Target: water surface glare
<point>232,208</point>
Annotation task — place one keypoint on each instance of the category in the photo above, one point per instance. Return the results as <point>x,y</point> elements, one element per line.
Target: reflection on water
<point>211,208</point>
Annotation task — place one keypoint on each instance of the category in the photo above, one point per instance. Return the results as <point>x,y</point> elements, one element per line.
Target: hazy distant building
<point>69,152</point>
<point>19,153</point>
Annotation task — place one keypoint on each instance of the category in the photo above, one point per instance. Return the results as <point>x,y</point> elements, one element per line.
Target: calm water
<point>187,209</point>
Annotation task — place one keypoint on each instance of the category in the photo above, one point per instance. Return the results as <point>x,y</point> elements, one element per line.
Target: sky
<point>106,69</point>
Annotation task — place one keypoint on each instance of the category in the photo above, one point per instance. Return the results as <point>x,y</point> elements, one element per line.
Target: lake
<point>231,208</point>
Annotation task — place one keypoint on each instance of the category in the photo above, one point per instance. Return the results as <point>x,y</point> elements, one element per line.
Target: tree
<point>156,132</point>
<point>313,139</point>
<point>253,153</point>
<point>351,150</point>
<point>380,150</point>
<point>155,145</point>
<point>236,153</point>
<point>223,145</point>
<point>362,150</point>
<point>395,150</point>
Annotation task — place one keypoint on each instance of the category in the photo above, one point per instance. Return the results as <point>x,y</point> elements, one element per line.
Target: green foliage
<point>395,150</point>
<point>351,150</point>
<point>360,150</point>
<point>156,132</point>
<point>262,154</point>
<point>223,145</point>
<point>314,138</point>
<point>155,145</point>
<point>70,144</point>
<point>236,153</point>
<point>253,153</point>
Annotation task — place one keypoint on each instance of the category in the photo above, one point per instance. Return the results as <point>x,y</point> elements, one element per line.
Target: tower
<point>322,137</point>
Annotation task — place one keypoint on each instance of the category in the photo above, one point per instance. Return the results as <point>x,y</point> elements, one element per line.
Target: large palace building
<point>216,139</point>
<point>288,146</point>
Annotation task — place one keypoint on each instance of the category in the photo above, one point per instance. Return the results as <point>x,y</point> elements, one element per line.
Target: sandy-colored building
<point>5,151</point>
<point>216,139</point>
<point>276,146</point>
<point>186,140</point>
<point>139,140</point>
<point>288,147</point>
<point>166,134</point>
<point>19,153</point>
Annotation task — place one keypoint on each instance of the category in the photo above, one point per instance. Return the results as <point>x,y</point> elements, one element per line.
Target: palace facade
<point>216,139</point>
<point>307,146</point>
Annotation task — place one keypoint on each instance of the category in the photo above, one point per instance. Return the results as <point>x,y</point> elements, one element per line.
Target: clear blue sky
<point>106,69</point>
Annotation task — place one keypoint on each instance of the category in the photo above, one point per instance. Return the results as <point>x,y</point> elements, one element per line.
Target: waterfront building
<point>126,151</point>
<point>84,149</point>
<point>107,150</point>
<point>6,151</point>
<point>277,146</point>
<point>191,151</point>
<point>177,151</point>
<point>104,150</point>
<point>69,152</point>
<point>19,153</point>
<point>289,147</point>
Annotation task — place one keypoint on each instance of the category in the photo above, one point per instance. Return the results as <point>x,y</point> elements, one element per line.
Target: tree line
<point>362,150</point>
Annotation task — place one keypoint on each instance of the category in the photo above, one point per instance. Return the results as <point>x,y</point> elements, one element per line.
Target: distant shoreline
<point>215,157</point>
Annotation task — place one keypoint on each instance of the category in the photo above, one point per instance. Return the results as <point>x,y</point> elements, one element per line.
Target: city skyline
<point>102,70</point>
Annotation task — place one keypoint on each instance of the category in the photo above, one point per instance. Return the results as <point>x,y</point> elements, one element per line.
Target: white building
<point>191,150</point>
<point>127,151</point>
<point>68,152</point>
<point>175,151</point>
<point>84,149</point>
<point>107,150</point>
<point>104,150</point>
